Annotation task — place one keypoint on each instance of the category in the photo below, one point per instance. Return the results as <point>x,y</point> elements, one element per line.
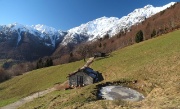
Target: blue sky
<point>66,14</point>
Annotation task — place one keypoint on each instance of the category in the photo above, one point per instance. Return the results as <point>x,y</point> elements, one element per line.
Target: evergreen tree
<point>39,63</point>
<point>49,62</point>
<point>139,36</point>
<point>44,63</point>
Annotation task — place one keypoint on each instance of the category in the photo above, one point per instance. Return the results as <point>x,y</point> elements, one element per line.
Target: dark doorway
<point>79,80</point>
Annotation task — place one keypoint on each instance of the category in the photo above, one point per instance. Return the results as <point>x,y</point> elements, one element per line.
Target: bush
<point>153,33</point>
<point>3,75</point>
<point>139,36</point>
<point>46,62</point>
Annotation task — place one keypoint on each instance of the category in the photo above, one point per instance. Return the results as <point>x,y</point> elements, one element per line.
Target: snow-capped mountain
<point>31,42</point>
<point>112,25</point>
<point>86,32</point>
<point>50,35</point>
<point>49,32</point>
<point>28,42</point>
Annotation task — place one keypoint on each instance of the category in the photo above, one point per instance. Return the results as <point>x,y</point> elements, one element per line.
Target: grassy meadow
<point>154,64</point>
<point>34,81</point>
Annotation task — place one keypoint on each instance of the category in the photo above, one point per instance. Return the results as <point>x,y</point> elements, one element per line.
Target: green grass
<point>34,81</point>
<point>154,63</point>
<point>63,98</point>
<point>149,56</point>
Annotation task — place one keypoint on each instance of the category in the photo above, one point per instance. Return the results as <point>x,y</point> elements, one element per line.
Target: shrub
<point>3,75</point>
<point>139,36</point>
<point>153,33</point>
<point>46,62</point>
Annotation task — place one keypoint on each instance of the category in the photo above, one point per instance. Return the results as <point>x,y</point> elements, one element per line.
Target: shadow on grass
<point>101,58</point>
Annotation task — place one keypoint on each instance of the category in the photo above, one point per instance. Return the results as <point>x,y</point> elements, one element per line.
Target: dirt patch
<point>62,86</point>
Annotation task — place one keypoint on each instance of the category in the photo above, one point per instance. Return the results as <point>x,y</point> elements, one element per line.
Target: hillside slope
<point>158,24</point>
<point>155,64</point>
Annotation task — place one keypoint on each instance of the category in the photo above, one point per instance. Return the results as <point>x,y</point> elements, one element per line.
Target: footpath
<point>27,99</point>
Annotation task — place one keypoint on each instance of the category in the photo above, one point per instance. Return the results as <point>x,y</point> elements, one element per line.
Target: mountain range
<point>31,42</point>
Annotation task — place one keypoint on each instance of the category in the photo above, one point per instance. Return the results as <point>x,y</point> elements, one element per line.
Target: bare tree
<point>84,50</point>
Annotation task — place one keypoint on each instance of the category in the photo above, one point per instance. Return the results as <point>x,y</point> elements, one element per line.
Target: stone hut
<point>84,77</point>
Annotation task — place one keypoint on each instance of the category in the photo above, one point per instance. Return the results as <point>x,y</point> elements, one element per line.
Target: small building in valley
<point>99,54</point>
<point>84,77</point>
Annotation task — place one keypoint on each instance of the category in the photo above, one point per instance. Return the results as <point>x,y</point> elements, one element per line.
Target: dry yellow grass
<point>155,64</point>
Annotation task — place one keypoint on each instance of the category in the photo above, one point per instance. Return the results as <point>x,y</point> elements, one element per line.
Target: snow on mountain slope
<point>86,32</point>
<point>45,30</point>
<point>19,28</point>
<point>41,31</point>
<point>112,25</point>
<point>51,32</point>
